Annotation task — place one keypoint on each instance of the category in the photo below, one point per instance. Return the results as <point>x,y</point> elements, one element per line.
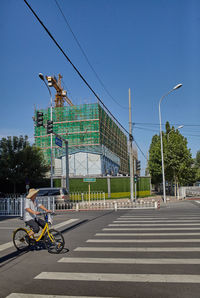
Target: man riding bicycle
<point>30,212</point>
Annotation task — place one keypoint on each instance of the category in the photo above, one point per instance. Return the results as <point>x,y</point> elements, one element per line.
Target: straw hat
<point>32,192</point>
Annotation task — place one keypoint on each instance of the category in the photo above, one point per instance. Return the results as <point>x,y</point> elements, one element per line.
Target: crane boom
<point>61,95</point>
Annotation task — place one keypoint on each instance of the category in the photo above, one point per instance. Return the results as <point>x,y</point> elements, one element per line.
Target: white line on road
<point>64,223</point>
<point>141,240</point>
<point>155,221</point>
<point>129,261</point>
<point>139,249</point>
<point>158,278</point>
<point>20,295</point>
<point>6,245</point>
<point>154,224</point>
<point>147,234</point>
<point>154,217</point>
<point>148,229</point>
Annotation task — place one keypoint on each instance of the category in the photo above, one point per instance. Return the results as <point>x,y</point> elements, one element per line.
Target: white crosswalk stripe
<point>147,234</point>
<point>149,229</point>
<point>129,261</point>
<point>118,277</point>
<point>21,295</point>
<point>138,249</point>
<point>180,233</point>
<point>141,240</point>
<point>152,224</point>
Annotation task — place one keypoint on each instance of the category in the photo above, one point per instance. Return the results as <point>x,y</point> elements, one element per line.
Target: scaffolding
<point>88,128</point>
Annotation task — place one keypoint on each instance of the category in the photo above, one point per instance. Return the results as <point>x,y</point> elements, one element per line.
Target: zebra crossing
<point>141,243</point>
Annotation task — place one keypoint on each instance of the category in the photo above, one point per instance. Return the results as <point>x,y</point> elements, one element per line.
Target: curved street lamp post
<point>161,141</point>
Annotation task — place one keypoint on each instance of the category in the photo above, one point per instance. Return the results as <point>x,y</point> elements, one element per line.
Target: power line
<point>140,149</point>
<point>84,54</point>
<point>146,123</point>
<point>84,80</point>
<point>79,73</point>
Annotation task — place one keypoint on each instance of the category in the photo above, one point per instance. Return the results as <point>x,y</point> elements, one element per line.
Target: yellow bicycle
<point>53,239</point>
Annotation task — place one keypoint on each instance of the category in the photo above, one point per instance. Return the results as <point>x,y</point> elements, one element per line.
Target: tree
<point>197,166</point>
<point>178,161</point>
<point>154,164</point>
<point>20,162</point>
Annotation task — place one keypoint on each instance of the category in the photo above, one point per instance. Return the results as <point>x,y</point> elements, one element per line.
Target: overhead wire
<point>78,72</point>
<point>87,59</point>
<point>75,68</point>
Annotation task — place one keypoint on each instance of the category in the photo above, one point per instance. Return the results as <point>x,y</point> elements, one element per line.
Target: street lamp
<point>161,141</point>
<point>42,78</point>
<point>179,127</point>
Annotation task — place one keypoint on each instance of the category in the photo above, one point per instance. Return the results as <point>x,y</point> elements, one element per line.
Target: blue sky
<point>148,46</point>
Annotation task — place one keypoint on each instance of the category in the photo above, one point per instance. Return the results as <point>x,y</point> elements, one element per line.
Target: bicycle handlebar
<point>45,213</point>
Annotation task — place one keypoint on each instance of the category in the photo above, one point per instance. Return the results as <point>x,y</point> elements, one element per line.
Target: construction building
<point>96,144</point>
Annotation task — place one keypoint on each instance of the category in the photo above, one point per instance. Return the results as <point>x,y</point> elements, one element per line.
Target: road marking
<point>129,261</point>
<point>148,229</point>
<point>160,217</point>
<point>197,202</point>
<point>6,245</point>
<point>64,223</point>
<point>10,244</point>
<point>141,240</point>
<point>147,234</point>
<point>155,221</point>
<point>158,278</point>
<point>20,295</point>
<point>153,224</point>
<point>139,249</point>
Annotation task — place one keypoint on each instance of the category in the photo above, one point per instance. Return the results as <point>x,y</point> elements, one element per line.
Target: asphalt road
<point>130,253</point>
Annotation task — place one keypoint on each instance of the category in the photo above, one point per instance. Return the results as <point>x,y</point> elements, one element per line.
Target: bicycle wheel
<point>21,239</point>
<point>55,243</point>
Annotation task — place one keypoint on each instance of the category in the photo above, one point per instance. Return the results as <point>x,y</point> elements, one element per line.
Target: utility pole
<point>130,148</point>
<point>67,159</point>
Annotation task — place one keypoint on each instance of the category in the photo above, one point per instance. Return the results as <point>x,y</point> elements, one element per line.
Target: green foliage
<point>178,160</point>
<point>20,162</point>
<point>154,164</point>
<point>197,166</point>
<point>117,185</point>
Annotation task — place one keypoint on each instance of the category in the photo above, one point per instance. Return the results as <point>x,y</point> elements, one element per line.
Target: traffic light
<point>135,178</point>
<point>49,126</point>
<point>39,119</point>
<point>138,168</point>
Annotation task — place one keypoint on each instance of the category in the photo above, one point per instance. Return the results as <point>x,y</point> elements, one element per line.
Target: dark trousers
<point>35,224</point>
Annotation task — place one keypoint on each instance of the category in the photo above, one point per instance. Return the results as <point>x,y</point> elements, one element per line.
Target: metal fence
<point>189,191</point>
<point>15,206</point>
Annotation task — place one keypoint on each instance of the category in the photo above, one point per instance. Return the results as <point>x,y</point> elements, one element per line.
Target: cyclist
<point>30,212</point>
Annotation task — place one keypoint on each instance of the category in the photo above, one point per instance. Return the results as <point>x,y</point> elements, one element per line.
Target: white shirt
<point>32,205</point>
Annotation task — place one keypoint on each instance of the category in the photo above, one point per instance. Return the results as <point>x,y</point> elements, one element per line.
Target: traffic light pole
<point>135,180</point>
<point>130,148</point>
<point>67,159</point>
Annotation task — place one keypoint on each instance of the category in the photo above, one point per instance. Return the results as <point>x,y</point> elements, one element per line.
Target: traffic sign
<point>58,142</point>
<point>89,179</point>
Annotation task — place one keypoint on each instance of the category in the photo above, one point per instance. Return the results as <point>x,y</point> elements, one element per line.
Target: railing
<point>15,206</point>
<point>86,196</point>
<point>189,191</point>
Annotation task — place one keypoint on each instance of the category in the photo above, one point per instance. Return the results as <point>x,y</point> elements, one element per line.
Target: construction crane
<point>61,95</point>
